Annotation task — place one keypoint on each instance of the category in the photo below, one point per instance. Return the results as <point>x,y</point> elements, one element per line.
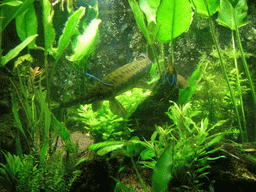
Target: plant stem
<point>224,70</point>
<point>245,64</point>
<point>142,182</point>
<point>239,88</point>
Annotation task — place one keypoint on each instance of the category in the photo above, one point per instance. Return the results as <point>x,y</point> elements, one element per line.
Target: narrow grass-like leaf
<point>43,151</point>
<point>15,52</point>
<point>97,146</point>
<point>62,131</point>
<point>49,33</point>
<point>13,3</point>
<point>16,116</point>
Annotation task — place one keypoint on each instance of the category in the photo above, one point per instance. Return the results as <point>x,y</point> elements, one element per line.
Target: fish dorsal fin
<point>96,106</point>
<point>116,107</point>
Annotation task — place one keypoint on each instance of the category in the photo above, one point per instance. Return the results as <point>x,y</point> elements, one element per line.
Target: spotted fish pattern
<point>115,83</point>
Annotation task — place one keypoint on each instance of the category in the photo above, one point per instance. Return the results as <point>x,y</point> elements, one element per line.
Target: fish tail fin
<point>116,107</point>
<point>96,106</point>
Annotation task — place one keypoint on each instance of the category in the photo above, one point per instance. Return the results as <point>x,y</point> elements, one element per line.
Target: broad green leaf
<point>49,33</point>
<point>149,7</point>
<point>163,170</point>
<point>26,25</point>
<point>200,7</point>
<point>105,150</point>
<point>68,31</point>
<point>139,18</point>
<point>175,17</point>
<point>187,93</point>
<point>11,12</point>
<point>15,52</point>
<point>63,132</point>
<point>228,14</point>
<point>86,42</point>
<point>104,144</point>
<point>147,154</point>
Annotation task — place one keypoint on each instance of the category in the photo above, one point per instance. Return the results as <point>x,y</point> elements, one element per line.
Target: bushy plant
<point>104,125</point>
<point>27,174</point>
<point>174,152</point>
<point>212,96</point>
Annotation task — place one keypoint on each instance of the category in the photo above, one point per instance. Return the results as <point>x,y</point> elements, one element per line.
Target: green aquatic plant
<point>104,125</point>
<point>178,151</point>
<point>187,152</point>
<point>232,14</point>
<point>38,126</point>
<point>212,96</point>
<point>27,174</point>
<point>162,24</point>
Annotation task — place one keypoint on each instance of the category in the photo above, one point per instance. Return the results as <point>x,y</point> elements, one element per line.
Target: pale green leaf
<point>86,42</point>
<point>175,17</point>
<point>228,14</point>
<point>13,3</point>
<point>200,7</point>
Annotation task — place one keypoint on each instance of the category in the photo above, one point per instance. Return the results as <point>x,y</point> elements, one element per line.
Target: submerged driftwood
<point>237,171</point>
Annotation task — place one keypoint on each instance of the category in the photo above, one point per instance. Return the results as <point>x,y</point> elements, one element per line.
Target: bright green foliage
<point>149,7</point>
<point>103,124</point>
<point>86,42</point>
<point>49,33</point>
<point>213,6</point>
<point>26,175</point>
<point>26,25</point>
<point>68,31</point>
<point>229,14</point>
<point>140,19</point>
<point>12,9</point>
<point>212,96</point>
<point>186,153</point>
<point>175,17</point>
<point>174,152</point>
<point>186,93</point>
<point>163,170</point>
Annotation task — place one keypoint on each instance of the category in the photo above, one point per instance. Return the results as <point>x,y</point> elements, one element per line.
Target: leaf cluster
<point>104,125</point>
<point>175,152</point>
<point>27,174</point>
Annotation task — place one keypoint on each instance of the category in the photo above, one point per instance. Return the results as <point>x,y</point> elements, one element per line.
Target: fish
<point>115,83</point>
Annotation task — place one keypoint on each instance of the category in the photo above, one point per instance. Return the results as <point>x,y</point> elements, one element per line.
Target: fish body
<point>115,83</point>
